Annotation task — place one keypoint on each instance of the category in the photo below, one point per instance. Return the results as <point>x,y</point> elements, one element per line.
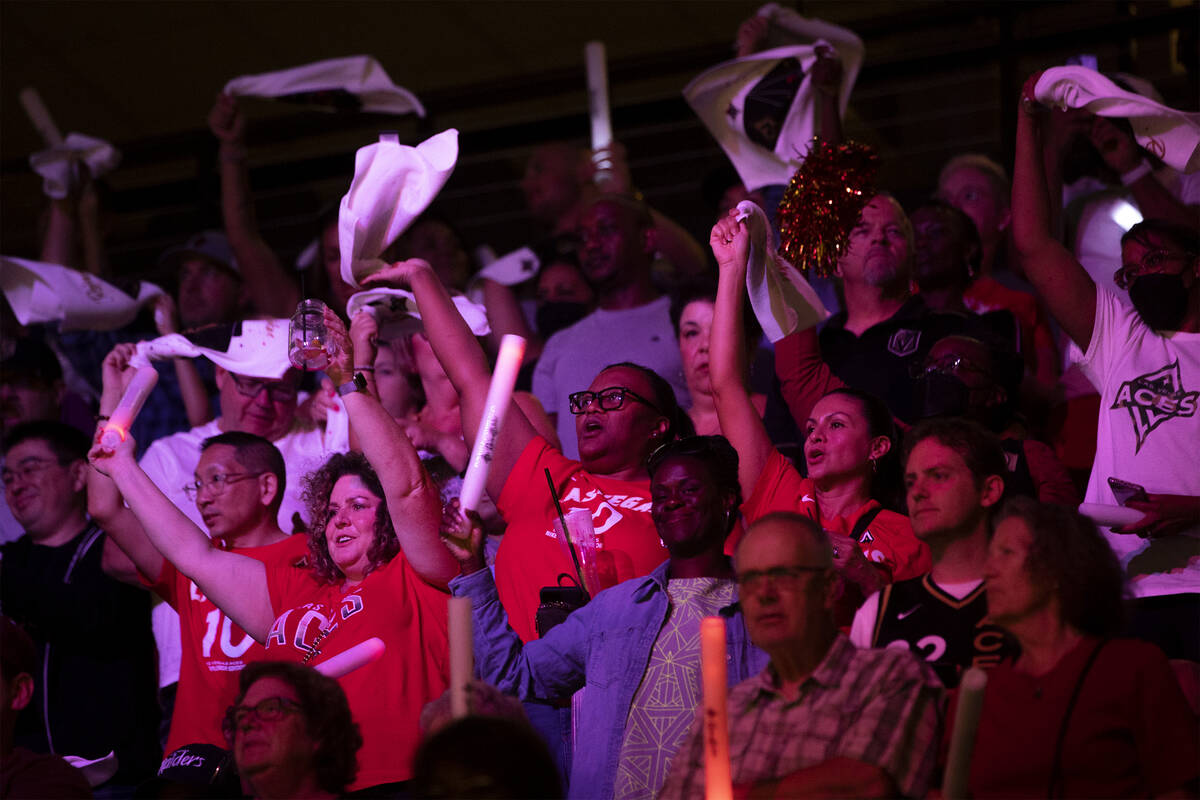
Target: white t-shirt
<point>575,355</point>
<point>171,463</point>
<point>1149,434</point>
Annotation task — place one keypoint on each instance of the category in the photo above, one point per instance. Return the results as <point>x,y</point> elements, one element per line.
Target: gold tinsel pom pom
<point>822,202</point>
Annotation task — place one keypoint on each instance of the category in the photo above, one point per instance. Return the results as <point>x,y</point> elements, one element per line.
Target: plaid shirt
<point>882,707</point>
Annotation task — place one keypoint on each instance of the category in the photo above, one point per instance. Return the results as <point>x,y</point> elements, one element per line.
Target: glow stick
<point>352,658</point>
<point>962,739</point>
<point>512,350</point>
<point>40,116</point>
<point>718,782</point>
<point>461,658</point>
<point>117,427</point>
<point>1105,514</point>
<point>597,81</point>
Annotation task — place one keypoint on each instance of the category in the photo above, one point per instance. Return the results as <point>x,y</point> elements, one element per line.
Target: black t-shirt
<point>881,361</point>
<point>947,632</point>
<point>96,680</point>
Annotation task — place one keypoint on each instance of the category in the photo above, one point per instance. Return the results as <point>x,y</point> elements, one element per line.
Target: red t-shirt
<point>214,648</point>
<point>530,556</point>
<point>1131,734</point>
<point>888,540</point>
<point>387,695</point>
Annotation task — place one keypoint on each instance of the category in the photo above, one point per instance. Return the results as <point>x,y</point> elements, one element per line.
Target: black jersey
<point>947,632</point>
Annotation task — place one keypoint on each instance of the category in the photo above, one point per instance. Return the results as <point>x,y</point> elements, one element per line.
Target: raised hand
<point>225,120</point>
<point>398,275</point>
<point>463,537</point>
<point>730,242</point>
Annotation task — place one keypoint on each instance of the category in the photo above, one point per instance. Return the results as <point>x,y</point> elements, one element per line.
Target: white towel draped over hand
<point>1171,135</point>
<point>783,301</point>
<point>260,351</point>
<point>59,165</point>
<point>41,292</point>
<point>387,303</point>
<point>393,185</point>
<point>361,76</point>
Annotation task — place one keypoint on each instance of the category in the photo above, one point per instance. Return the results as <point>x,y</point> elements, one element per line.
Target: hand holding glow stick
<point>597,81</point>
<point>718,780</point>
<point>122,417</point>
<point>962,740</point>
<point>504,378</point>
<point>461,658</point>
<point>351,659</point>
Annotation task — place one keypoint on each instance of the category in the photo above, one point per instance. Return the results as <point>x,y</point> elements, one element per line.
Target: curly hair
<point>1069,554</point>
<point>327,719</point>
<point>318,486</point>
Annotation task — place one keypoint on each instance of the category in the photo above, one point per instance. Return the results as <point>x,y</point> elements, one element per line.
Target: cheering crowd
<point>983,458</point>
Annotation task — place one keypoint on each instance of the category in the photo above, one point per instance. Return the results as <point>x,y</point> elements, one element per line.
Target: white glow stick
<point>512,350</point>
<point>962,739</point>
<point>39,115</point>
<point>117,427</point>
<point>461,658</point>
<point>718,781</point>
<point>1105,514</point>
<point>352,658</point>
<point>597,81</point>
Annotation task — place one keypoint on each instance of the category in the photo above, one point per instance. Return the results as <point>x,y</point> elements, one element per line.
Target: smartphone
<point>1125,491</point>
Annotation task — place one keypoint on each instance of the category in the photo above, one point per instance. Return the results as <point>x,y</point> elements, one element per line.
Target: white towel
<point>41,292</point>
<point>393,185</point>
<point>783,301</point>
<point>59,165</point>
<point>1173,136</point>
<point>511,269</point>
<point>386,303</point>
<point>326,83</point>
<point>260,351</point>
<point>766,147</point>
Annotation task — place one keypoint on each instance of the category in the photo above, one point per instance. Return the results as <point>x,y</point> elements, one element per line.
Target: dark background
<point>938,79</point>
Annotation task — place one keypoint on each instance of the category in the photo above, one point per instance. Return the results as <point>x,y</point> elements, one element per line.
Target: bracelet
<point>1136,174</point>
<point>364,369</point>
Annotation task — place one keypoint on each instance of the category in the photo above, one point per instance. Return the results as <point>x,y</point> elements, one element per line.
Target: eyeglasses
<point>946,365</point>
<point>784,577</point>
<point>277,391</point>
<point>272,709</point>
<point>1151,262</point>
<point>610,399</point>
<point>216,483</point>
<point>27,470</point>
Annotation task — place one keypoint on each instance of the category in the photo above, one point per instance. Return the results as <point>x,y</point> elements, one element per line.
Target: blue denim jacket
<point>606,646</point>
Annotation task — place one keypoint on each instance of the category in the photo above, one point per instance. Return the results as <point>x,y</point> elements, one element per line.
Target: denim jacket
<point>604,646</point>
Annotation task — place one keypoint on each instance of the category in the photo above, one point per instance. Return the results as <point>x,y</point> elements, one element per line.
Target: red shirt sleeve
<point>804,376</point>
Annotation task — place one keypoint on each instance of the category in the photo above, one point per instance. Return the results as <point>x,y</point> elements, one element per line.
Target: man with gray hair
<point>824,718</point>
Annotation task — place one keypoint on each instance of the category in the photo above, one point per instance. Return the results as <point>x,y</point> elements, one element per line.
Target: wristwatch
<point>356,384</point>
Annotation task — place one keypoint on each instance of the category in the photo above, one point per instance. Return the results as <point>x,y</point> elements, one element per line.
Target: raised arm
<point>237,584</point>
<point>1065,287</point>
<point>270,286</point>
<point>740,421</point>
<point>464,362</point>
<point>412,498</point>
<point>1122,154</point>
<point>105,504</point>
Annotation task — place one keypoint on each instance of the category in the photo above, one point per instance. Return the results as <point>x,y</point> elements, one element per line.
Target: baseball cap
<point>213,245</point>
<point>205,768</point>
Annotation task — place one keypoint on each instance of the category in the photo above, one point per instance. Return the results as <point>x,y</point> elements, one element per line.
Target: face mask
<point>942,395</point>
<point>1160,300</point>
<point>553,316</point>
